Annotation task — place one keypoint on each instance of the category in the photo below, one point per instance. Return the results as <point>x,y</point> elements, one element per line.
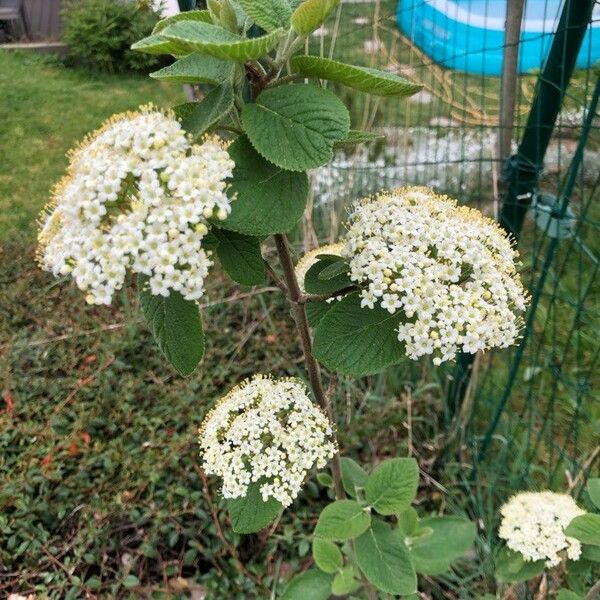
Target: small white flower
<point>533,523</point>
<point>265,431</point>
<point>448,269</point>
<point>136,197</point>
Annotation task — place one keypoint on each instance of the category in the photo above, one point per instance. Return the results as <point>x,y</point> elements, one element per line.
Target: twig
<point>594,591</point>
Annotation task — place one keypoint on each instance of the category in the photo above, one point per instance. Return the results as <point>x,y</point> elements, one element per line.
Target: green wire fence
<point>525,417</point>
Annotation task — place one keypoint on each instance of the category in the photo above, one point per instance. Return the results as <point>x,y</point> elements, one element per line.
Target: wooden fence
<point>43,19</point>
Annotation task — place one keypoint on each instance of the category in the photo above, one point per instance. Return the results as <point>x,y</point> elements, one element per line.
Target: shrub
<point>100,33</point>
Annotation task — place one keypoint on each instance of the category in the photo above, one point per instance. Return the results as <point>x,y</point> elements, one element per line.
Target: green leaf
<point>365,79</point>
<point>337,266</point>
<point>157,44</point>
<point>295,126</point>
<point>354,477</point>
<point>342,520</point>
<point>511,568</point>
<point>315,311</point>
<point>593,490</point>
<point>315,283</point>
<point>268,199</point>
<point>325,479</point>
<point>359,137</point>
<point>189,15</point>
<point>268,14</point>
<point>357,341</point>
<point>199,117</point>
<point>251,513</point>
<point>408,521</point>
<point>313,584</point>
<point>196,68</point>
<point>312,13</point>
<point>450,538</point>
<point>585,528</point>
<point>327,555</point>
<point>176,326</point>
<point>343,583</point>
<point>567,595</point>
<point>591,553</point>
<point>241,257</point>
<point>131,581</point>
<point>393,485</point>
<point>385,561</point>
<point>218,42</point>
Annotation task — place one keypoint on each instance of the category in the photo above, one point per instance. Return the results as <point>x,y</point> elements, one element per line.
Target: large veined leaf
<point>199,117</point>
<point>295,126</point>
<point>312,13</point>
<point>268,14</point>
<point>327,556</point>
<point>342,520</point>
<point>593,490</point>
<point>240,256</point>
<point>511,567</point>
<point>176,326</point>
<point>312,584</point>
<point>585,528</point>
<point>188,15</point>
<point>357,341</point>
<point>385,560</point>
<point>393,485</point>
<point>315,311</point>
<point>196,68</point>
<point>251,513</point>
<point>451,537</point>
<point>218,42</point>
<point>365,79</point>
<point>356,137</point>
<point>157,44</point>
<point>268,199</point>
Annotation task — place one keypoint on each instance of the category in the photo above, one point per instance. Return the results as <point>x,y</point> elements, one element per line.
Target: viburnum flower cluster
<point>268,432</point>
<point>312,257</point>
<point>448,269</point>
<point>136,196</point>
<point>533,524</point>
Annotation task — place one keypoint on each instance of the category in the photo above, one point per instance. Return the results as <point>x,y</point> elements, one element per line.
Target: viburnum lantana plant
<point>166,194</point>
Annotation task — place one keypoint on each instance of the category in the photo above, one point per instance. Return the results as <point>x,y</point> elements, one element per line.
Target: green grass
<point>45,109</point>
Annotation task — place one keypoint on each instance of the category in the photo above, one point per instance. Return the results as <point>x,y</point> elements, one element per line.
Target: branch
<point>594,591</point>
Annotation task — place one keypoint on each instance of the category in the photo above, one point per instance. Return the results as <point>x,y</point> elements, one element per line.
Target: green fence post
<point>523,169</point>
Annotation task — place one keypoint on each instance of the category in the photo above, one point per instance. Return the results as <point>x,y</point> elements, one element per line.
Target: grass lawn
<point>45,109</point>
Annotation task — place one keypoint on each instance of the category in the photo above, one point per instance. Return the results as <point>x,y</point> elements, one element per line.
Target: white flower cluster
<point>310,258</point>
<point>265,431</point>
<point>448,269</point>
<point>136,196</point>
<point>533,524</point>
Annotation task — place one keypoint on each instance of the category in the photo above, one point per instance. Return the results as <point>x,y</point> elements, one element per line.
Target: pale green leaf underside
<point>312,584</point>
<point>312,13</point>
<point>357,341</point>
<point>209,39</point>
<point>342,520</point>
<point>295,126</point>
<point>196,68</point>
<point>189,15</point>
<point>365,79</point>
<point>354,477</point>
<point>593,489</point>
<point>385,561</point>
<point>197,118</point>
<point>268,14</point>
<point>327,555</point>
<point>157,44</point>
<point>268,199</point>
<point>393,485</point>
<point>250,513</point>
<point>451,538</point>
<point>585,528</point>
<point>175,325</point>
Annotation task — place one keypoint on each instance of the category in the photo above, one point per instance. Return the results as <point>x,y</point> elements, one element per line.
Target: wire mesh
<point>530,417</point>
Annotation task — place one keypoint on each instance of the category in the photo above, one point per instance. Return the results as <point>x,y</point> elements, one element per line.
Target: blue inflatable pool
<point>468,35</point>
